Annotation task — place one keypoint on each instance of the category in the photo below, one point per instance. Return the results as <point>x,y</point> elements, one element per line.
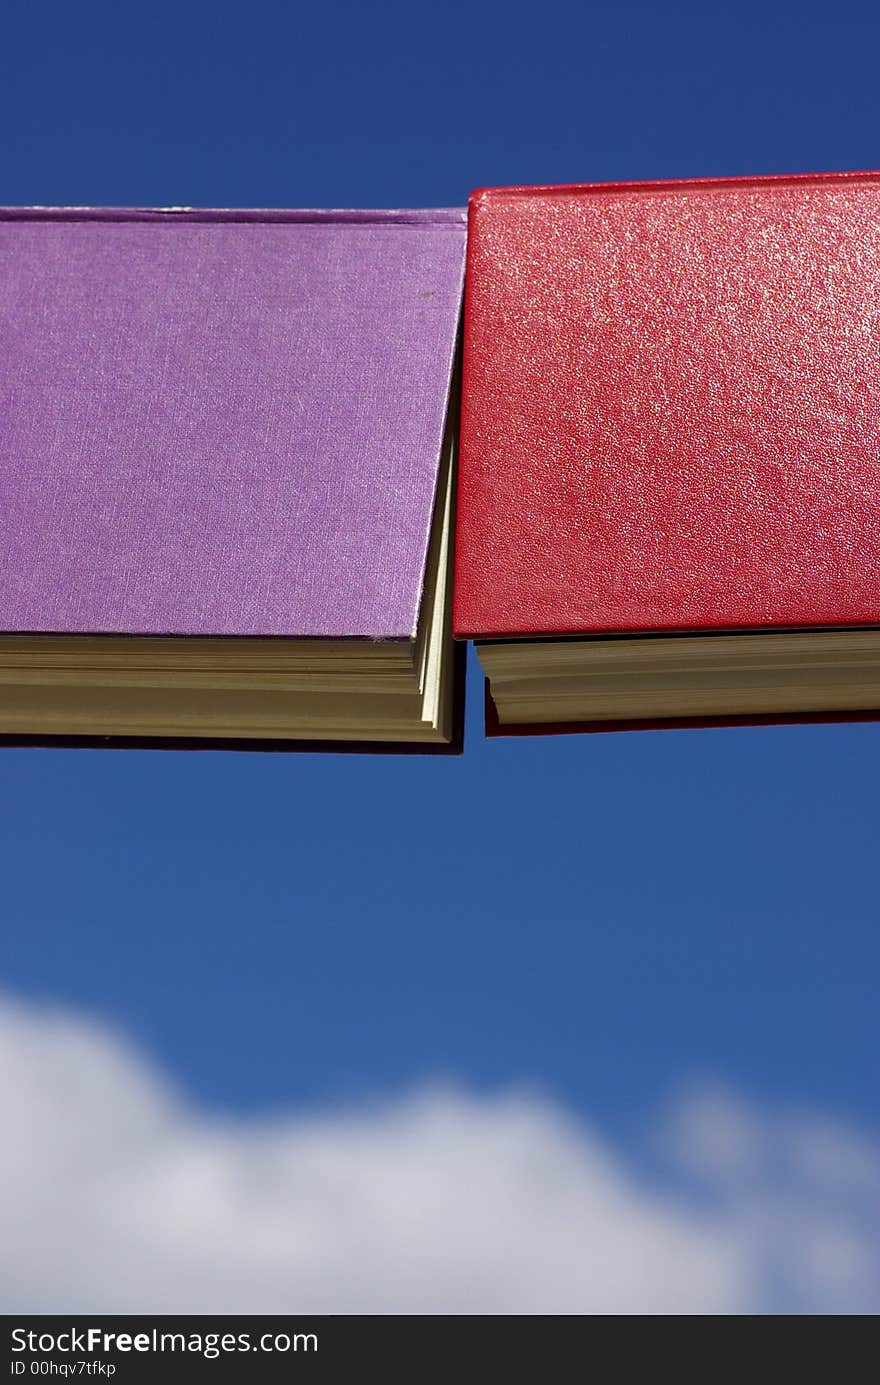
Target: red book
<point>670,449</point>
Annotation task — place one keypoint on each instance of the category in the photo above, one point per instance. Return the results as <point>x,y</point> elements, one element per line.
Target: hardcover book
<point>225,470</point>
<point>669,487</point>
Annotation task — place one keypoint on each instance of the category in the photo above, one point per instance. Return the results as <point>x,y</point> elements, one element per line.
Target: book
<point>225,475</point>
<point>669,485</point>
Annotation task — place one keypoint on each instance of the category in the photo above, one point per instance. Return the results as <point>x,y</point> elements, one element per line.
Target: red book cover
<point>671,414</point>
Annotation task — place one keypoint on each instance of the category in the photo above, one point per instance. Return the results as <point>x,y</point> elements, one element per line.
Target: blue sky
<point>601,919</point>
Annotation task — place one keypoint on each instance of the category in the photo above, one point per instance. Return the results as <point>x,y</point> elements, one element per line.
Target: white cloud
<point>118,1195</point>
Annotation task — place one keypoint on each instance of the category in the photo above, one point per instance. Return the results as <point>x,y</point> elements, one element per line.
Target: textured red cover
<point>671,408</point>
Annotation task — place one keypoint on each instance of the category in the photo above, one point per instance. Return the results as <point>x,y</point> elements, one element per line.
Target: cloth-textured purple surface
<point>222,423</point>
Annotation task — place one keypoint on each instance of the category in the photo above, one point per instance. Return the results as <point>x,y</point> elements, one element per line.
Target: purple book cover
<point>222,423</point>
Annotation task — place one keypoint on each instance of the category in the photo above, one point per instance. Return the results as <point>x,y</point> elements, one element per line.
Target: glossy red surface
<point>671,411</point>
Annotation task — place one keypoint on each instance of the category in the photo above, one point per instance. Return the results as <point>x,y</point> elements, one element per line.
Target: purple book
<point>226,424</point>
